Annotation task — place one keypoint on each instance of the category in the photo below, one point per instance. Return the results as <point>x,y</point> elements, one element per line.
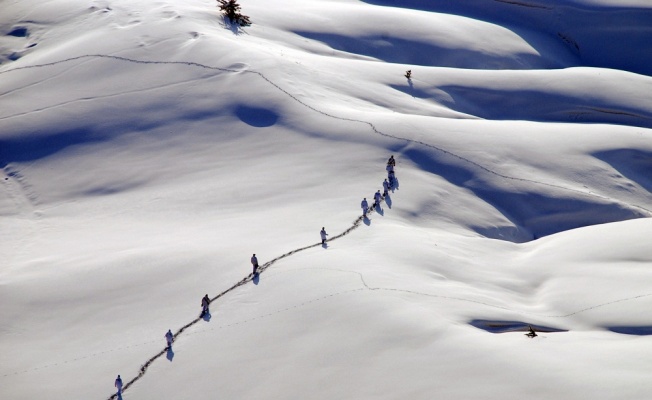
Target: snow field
<point>148,150</point>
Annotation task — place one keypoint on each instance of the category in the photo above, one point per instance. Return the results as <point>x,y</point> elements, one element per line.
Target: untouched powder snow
<point>149,148</point>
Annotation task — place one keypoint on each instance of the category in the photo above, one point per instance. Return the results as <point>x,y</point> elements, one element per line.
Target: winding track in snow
<point>371,125</point>
<point>243,281</point>
<point>356,223</point>
<point>365,287</point>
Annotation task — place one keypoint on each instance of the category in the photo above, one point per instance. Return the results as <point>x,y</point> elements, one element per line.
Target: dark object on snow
<point>20,31</point>
<point>231,9</point>
<point>169,337</point>
<point>254,263</point>
<point>118,384</point>
<point>205,301</point>
<point>531,333</point>
<point>392,179</point>
<point>408,74</point>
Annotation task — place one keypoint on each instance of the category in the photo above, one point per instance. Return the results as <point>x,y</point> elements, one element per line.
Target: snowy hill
<point>149,148</point>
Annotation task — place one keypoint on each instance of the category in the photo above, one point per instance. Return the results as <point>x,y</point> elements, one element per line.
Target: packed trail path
<point>243,281</point>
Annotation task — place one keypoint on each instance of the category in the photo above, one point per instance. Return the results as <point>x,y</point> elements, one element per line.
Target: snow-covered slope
<point>149,148</point>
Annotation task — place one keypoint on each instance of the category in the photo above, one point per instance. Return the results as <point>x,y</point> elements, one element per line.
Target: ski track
<point>243,281</point>
<point>26,203</point>
<point>523,4</point>
<point>108,96</point>
<point>365,287</point>
<point>304,104</point>
<point>356,223</point>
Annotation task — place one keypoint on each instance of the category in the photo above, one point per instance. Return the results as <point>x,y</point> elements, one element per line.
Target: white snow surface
<point>149,148</point>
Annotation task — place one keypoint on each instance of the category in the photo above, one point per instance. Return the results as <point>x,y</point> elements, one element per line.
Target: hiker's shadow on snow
<point>395,184</point>
<point>207,316</point>
<point>119,396</point>
<point>366,220</point>
<point>170,353</point>
<point>256,279</point>
<point>380,211</point>
<point>324,245</point>
<point>388,201</point>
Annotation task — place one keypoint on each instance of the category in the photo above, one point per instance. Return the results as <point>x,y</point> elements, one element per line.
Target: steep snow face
<point>149,148</point>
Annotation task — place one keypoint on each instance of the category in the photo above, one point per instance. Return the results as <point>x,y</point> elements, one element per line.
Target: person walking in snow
<point>323,235</point>
<point>254,263</point>
<point>205,301</point>
<point>385,188</point>
<point>365,207</point>
<point>391,161</point>
<point>118,384</point>
<point>390,174</point>
<point>170,337</point>
<point>377,198</point>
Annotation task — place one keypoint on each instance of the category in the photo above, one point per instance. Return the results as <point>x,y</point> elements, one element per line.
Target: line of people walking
<point>388,184</point>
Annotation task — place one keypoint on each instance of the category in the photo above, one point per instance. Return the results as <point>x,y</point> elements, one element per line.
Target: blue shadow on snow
<point>32,148</point>
<point>510,326</point>
<point>632,330</point>
<point>256,117</point>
